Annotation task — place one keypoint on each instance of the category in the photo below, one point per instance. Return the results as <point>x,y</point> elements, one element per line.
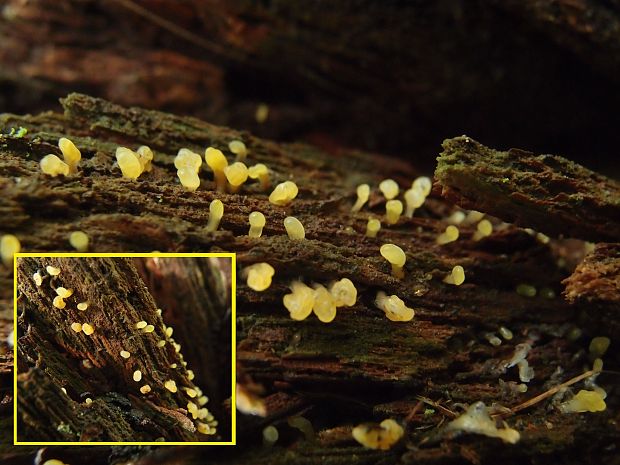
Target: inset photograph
<point>124,348</point>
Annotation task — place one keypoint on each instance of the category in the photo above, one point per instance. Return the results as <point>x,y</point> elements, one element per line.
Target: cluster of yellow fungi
<point>303,300</point>
<point>394,307</point>
<point>54,166</point>
<point>382,436</point>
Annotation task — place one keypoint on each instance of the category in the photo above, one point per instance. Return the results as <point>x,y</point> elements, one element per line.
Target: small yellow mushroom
<point>52,270</point>
<point>149,329</point>
<point>257,222</point>
<point>284,193</point>
<point>58,302</point>
<point>300,301</point>
<point>343,292</point>
<point>38,280</point>
<point>70,153</point>
<point>64,293</point>
<point>270,435</point>
<point>389,188</point>
<point>483,229</point>
<point>259,276</point>
<point>456,276</point>
<point>141,324</point>
<point>77,327</point>
<point>584,401</point>
<point>238,148</point>
<point>414,198</point>
<point>187,159</point>
<point>363,193</point>
<point>260,172</point>
<point>216,212</point>
<point>382,436</point>
<point>203,428</point>
<point>599,345</point>
<point>189,178</point>
<point>394,307</point>
<point>397,258</point>
<point>54,462</point>
<point>451,234</point>
<point>82,306</point>
<point>171,386</point>
<point>9,246</point>
<point>262,113</point>
<point>191,392</point>
<point>145,389</point>
<point>137,375</point>
<point>125,354</point>
<point>202,400</point>
<point>145,157</point>
<point>393,210</point>
<point>294,228</point>
<point>129,162</point>
<point>505,333</point>
<point>161,343</point>
<point>190,375</point>
<point>372,227</point>
<point>236,174</point>
<point>324,304</point>
<point>169,331</point>
<point>88,401</point>
<point>53,166</point>
<point>422,184</point>
<point>79,241</point>
<point>526,290</point>
<point>88,329</point>
<point>217,163</point>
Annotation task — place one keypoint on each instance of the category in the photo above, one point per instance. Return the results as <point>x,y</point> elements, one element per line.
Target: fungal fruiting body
<point>137,375</point>
<point>584,401</point>
<point>9,246</point>
<point>88,329</point>
<point>456,276</point>
<point>217,163</point>
<point>63,292</point>
<point>262,113</point>
<point>449,235</point>
<point>324,304</point>
<point>414,198</point>
<point>394,307</point>
<point>422,184</point>
<point>300,301</point>
<point>129,163</point>
<point>599,345</point>
<point>257,222</point>
<point>53,166</point>
<point>54,462</point>
<point>395,255</point>
<point>477,420</point>
<point>239,149</point>
<point>79,241</point>
<point>145,157</point>
<point>249,403</point>
<point>393,210</point>
<point>59,302</point>
<point>382,436</point>
<point>284,193</point>
<point>188,165</point>
<point>70,153</point>
<point>270,435</point>
<point>302,424</point>
<point>77,327</point>
<point>141,324</point>
<point>363,193</point>
<point>526,290</point>
<point>372,227</point>
<point>82,306</point>
<point>149,329</point>
<point>52,270</point>
<point>526,372</point>
<point>505,333</point>
<point>236,174</point>
<point>38,280</point>
<point>260,172</point>
<point>145,389</point>
<point>343,292</point>
<point>389,188</point>
<point>294,228</point>
<point>189,179</point>
<point>483,229</point>
<point>216,212</point>
<point>259,276</point>
<point>171,386</point>
<point>125,354</point>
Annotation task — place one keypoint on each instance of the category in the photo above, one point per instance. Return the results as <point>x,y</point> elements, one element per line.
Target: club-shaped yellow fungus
<point>189,179</point>
<point>236,174</point>
<point>343,292</point>
<point>584,401</point>
<point>169,331</point>
<point>217,163</point>
<point>449,235</point>
<point>324,304</point>
<point>191,392</point>
<point>284,193</point>
<point>599,345</point>
<point>190,375</point>
<point>145,157</point>
<point>88,401</point>
<point>257,222</point>
<point>270,435</point>
<point>9,246</point>
<point>88,329</point>
<point>483,229</point>
<point>414,198</point>
<point>259,276</point>
<point>474,216</point>
<point>52,270</point>
<point>294,228</point>
<point>203,400</point>
<point>393,210</point>
<point>422,184</point>
<point>372,227</point>
<point>125,354</point>
<point>137,375</point>
<point>53,166</point>
<point>64,293</point>
<point>389,188</point>
<point>141,324</point>
<point>238,148</point>
<point>171,386</point>
<point>477,420</point>
<point>149,329</point>
<point>526,372</point>
<point>394,307</point>
<point>77,327</point>
<point>70,153</point>
<point>260,172</point>
<point>82,306</point>
<point>456,218</point>
<point>193,409</point>
<point>395,255</point>
<point>456,276</point>
<point>145,389</point>
<point>38,280</point>
<point>79,241</point>
<point>363,193</point>
<point>526,290</point>
<point>161,343</point>
<point>54,462</point>
<point>262,113</point>
<point>493,339</point>
<point>382,436</point>
<point>216,212</point>
<point>129,163</point>
<point>59,302</point>
<point>300,301</point>
<point>505,333</point>
<point>187,159</point>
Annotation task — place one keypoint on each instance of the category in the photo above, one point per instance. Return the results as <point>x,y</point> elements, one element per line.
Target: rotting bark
<point>361,366</point>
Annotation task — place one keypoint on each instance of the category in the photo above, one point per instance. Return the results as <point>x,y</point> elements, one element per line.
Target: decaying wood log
<point>360,367</point>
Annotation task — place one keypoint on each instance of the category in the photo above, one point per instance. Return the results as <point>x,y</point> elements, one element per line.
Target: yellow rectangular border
<point>233,279</point>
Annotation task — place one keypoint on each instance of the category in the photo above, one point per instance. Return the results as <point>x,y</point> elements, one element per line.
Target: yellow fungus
<point>217,163</point>
<point>456,218</point>
<point>456,276</point>
<point>187,159</point>
<point>270,435</point>
<point>125,354</point>
<point>505,333</point>
<point>77,327</point>
<point>161,343</point>
<point>389,188</point>
<point>262,113</point>
<point>145,389</point>
<point>294,228</point>
<point>58,302</point>
<point>414,198</point>
<point>493,339</point>
<point>372,227</point>
<point>324,304</point>
<point>260,172</point>
<point>137,375</point>
<point>88,329</point>
<point>189,178</point>
<point>382,436</point>
<point>300,301</point>
<point>169,331</point>
<point>171,386</point>
<point>64,293</point>
<point>70,153</point>
<point>54,462</point>
<point>149,329</point>
<point>284,193</point>
<point>190,375</point>
<point>82,306</point>
<point>249,403</point>
<point>397,258</point>
<point>599,345</point>
<point>474,216</point>
<point>597,365</point>
<point>203,428</point>
<point>9,246</point>
<point>129,162</point>
<point>343,292</point>
<point>393,210</point>
<point>173,365</point>
<point>141,324</point>
<point>236,174</point>
<point>259,276</point>
<point>363,193</point>
<point>477,420</point>
<point>88,401</point>
<point>394,307</point>
<point>79,241</point>
<point>53,166</point>
<point>584,401</point>
<point>145,157</point>
<point>216,212</point>
<point>526,290</point>
<point>191,407</point>
<point>257,222</point>
<point>422,184</point>
<point>202,400</point>
<point>238,148</point>
<point>483,229</point>
<point>451,234</point>
<point>52,270</point>
<point>191,392</point>
<point>38,280</point>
